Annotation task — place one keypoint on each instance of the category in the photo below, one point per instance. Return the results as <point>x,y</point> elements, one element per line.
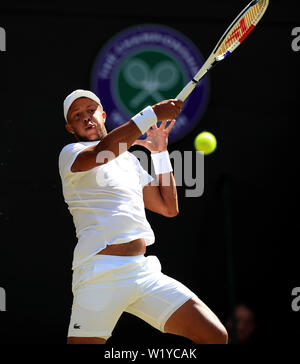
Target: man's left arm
<point>161,196</point>
<point>162,199</point>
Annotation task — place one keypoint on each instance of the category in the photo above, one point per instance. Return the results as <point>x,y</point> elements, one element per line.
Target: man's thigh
<point>195,321</point>
<point>160,297</point>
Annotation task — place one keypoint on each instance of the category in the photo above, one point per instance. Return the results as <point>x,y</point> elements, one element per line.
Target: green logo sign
<point>145,78</point>
<point>144,65</point>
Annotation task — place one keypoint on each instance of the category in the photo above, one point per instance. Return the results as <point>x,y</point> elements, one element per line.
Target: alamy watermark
<point>2,299</point>
<point>2,40</point>
<point>296,300</point>
<point>188,170</point>
<point>296,40</point>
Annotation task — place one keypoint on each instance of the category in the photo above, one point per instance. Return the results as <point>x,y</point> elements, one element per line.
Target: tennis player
<point>107,191</point>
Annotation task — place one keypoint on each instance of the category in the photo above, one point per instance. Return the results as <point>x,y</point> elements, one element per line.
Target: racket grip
<point>182,96</point>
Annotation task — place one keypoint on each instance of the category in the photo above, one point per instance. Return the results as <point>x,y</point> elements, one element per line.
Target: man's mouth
<point>91,126</point>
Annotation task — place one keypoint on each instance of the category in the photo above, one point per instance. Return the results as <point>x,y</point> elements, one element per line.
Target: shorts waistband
<point>114,258</point>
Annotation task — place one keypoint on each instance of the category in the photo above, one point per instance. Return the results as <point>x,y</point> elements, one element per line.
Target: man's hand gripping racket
<point>237,32</point>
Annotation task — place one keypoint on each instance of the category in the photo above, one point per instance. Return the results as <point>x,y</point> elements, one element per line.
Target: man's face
<point>86,120</point>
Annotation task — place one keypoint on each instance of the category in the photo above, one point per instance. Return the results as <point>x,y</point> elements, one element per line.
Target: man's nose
<point>86,118</point>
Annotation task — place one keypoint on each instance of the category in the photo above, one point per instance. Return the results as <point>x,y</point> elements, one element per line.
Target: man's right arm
<point>109,147</point>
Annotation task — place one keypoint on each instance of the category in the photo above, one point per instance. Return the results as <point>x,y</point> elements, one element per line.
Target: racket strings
<point>243,28</point>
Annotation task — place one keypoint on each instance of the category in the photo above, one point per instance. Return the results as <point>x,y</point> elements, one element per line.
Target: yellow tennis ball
<point>205,142</point>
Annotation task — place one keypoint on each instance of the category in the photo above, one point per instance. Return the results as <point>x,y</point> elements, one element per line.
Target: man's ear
<point>69,128</point>
<point>104,115</point>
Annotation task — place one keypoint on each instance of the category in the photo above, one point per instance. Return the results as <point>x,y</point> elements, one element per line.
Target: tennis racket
<point>237,32</point>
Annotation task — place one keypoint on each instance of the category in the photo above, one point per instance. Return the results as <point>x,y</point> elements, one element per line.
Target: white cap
<point>76,95</point>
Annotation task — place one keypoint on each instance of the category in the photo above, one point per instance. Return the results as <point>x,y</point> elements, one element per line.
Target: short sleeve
<point>145,178</point>
<point>67,157</point>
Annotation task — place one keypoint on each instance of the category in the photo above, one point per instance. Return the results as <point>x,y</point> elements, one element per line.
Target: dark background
<point>239,238</point>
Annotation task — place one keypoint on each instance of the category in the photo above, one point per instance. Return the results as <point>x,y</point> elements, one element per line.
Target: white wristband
<point>145,119</point>
<point>161,162</point>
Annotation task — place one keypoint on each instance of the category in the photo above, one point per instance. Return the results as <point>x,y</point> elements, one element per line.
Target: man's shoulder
<point>66,150</point>
<point>67,147</point>
<point>74,147</point>
<point>69,153</point>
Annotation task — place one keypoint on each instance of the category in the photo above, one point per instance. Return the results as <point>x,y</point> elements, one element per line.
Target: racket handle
<point>182,96</point>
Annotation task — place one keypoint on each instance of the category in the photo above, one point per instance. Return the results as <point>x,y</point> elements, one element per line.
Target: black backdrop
<point>50,51</point>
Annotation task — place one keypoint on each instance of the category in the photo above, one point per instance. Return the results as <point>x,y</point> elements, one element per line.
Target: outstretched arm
<point>109,147</point>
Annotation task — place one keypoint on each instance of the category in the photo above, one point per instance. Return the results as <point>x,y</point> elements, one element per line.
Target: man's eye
<point>92,110</point>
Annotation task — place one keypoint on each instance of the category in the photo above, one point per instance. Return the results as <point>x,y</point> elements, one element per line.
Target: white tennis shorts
<point>107,285</point>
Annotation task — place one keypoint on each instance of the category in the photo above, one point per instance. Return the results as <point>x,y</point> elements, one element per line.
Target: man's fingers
<point>170,127</point>
<point>168,109</point>
<point>178,106</point>
<point>163,124</point>
<point>178,103</point>
<point>165,127</point>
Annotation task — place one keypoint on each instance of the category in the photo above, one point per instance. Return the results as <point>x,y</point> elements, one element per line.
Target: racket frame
<point>213,59</point>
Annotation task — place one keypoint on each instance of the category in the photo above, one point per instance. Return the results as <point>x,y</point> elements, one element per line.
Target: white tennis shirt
<point>106,202</point>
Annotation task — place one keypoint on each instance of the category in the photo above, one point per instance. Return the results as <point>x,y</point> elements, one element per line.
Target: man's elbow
<point>171,213</point>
